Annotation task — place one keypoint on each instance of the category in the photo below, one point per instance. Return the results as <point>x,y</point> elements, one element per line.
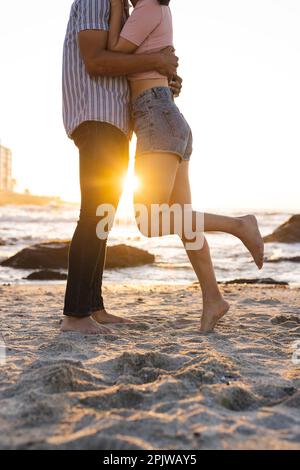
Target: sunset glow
<point>240,62</point>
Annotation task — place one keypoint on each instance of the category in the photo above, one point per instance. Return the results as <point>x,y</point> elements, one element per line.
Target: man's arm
<point>100,62</point>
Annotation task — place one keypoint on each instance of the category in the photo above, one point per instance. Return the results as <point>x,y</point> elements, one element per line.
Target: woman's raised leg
<point>157,174</point>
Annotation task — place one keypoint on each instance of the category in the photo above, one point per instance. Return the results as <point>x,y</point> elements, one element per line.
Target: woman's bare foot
<point>102,317</point>
<point>213,311</point>
<point>85,325</point>
<point>250,235</point>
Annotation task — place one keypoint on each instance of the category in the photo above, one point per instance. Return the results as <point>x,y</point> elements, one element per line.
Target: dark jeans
<point>103,155</point>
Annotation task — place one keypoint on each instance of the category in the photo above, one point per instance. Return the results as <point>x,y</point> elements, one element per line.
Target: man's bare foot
<point>85,325</point>
<point>213,311</point>
<point>250,235</point>
<point>103,317</point>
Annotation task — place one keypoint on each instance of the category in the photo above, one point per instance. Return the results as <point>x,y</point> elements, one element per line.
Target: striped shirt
<point>86,98</point>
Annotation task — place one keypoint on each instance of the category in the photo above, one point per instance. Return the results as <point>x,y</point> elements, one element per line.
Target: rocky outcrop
<point>50,255</point>
<point>8,241</point>
<point>289,232</point>
<point>292,259</point>
<point>124,256</point>
<point>54,255</point>
<point>46,275</point>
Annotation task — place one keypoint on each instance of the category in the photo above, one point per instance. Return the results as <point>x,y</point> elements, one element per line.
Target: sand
<point>154,384</point>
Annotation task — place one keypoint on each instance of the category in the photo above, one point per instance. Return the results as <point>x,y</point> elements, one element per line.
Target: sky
<point>240,61</point>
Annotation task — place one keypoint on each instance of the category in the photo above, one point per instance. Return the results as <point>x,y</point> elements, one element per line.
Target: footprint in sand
<point>57,376</point>
<point>114,398</point>
<point>269,302</point>
<point>286,321</point>
<point>236,398</point>
<point>143,368</point>
<point>272,394</point>
<point>293,402</point>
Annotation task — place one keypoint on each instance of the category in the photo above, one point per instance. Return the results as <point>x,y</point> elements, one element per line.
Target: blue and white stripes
<point>104,99</point>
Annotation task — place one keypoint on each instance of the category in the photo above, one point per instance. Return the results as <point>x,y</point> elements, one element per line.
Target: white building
<point>6,180</point>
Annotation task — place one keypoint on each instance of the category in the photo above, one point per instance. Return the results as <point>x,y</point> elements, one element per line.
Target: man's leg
<point>103,162</point>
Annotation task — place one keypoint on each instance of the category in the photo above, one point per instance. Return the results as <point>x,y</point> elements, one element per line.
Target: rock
<point>124,256</point>
<point>46,275</point>
<point>289,232</point>
<point>292,259</point>
<point>50,255</point>
<point>54,255</point>
<point>266,280</point>
<point>8,241</point>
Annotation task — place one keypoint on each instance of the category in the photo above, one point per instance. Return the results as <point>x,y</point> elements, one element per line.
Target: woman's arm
<point>115,42</point>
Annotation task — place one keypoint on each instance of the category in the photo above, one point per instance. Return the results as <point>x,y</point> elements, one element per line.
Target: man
<point>96,116</point>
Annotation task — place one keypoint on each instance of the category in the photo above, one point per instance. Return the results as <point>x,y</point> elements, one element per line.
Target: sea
<point>21,226</point>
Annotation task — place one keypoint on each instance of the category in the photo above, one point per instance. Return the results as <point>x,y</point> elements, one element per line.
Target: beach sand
<point>156,383</point>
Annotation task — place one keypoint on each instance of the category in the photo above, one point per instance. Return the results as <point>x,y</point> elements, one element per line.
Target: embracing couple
<point>119,76</point>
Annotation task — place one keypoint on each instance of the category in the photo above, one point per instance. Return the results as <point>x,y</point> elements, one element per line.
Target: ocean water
<point>23,226</point>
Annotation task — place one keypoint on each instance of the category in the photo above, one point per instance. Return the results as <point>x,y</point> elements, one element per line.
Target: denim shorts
<point>159,125</point>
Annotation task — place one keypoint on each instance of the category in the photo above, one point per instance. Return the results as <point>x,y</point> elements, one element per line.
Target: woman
<point>164,147</point>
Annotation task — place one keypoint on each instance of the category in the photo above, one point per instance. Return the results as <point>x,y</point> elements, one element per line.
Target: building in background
<point>6,179</point>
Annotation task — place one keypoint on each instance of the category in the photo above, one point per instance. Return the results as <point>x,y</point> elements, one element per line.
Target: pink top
<point>149,27</point>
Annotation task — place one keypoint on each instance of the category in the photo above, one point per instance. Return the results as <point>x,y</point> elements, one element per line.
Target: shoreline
<point>25,228</point>
<point>22,199</point>
<point>150,284</point>
<point>156,383</point>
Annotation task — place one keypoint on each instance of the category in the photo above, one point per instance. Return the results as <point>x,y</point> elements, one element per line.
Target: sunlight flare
<point>131,183</point>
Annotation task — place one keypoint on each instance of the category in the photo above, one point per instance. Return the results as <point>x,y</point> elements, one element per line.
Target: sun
<point>131,183</point>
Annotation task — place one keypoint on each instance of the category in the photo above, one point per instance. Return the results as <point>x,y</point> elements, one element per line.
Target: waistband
<point>160,92</point>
